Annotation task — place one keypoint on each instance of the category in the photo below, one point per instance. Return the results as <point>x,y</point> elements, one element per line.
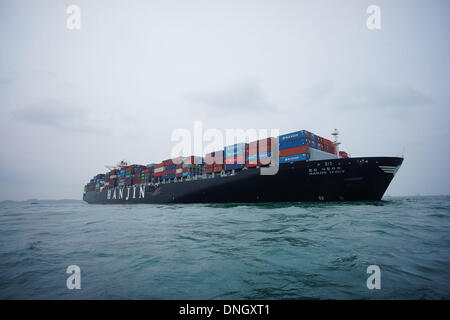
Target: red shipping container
<point>209,168</point>
<point>209,158</point>
<point>159,174</point>
<point>167,162</point>
<point>189,160</point>
<point>215,157</point>
<point>218,167</point>
<point>265,145</point>
<point>251,163</point>
<point>218,157</point>
<point>327,142</point>
<point>159,165</point>
<point>253,147</point>
<point>250,151</point>
<point>343,154</point>
<point>294,150</point>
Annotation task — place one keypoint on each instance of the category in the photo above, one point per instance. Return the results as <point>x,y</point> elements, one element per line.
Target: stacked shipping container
<point>264,151</point>
<point>235,156</point>
<point>169,170</point>
<point>214,162</point>
<point>192,166</point>
<point>158,170</point>
<point>259,153</point>
<point>295,146</point>
<point>251,154</point>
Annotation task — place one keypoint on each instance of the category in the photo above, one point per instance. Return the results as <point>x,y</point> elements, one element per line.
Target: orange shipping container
<point>294,150</point>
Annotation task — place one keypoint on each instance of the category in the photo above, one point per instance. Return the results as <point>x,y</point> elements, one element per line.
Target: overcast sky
<point>72,101</point>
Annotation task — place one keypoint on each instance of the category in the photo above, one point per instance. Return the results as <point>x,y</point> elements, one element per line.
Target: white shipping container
<point>316,154</point>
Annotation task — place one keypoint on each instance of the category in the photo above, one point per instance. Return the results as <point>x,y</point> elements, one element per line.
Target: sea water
<point>233,251</point>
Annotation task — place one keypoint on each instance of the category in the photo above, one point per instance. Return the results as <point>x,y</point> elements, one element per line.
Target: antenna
<point>336,142</point>
<point>335,135</point>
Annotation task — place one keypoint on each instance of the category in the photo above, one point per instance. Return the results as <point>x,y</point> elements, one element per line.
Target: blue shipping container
<point>293,136</point>
<point>264,155</point>
<point>233,166</point>
<point>294,158</point>
<point>186,174</point>
<point>170,167</point>
<point>293,143</point>
<point>234,150</point>
<point>231,154</point>
<point>236,146</point>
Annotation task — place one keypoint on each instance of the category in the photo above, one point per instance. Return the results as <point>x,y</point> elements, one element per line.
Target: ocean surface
<point>264,251</point>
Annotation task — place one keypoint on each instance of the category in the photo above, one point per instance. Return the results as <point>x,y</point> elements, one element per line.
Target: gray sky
<point>72,101</point>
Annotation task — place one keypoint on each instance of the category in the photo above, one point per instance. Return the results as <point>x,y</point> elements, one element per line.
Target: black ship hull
<point>352,179</point>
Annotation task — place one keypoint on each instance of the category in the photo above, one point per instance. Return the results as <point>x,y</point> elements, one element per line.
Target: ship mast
<point>336,142</point>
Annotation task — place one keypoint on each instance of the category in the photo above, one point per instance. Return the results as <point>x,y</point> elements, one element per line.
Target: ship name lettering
<point>142,191</point>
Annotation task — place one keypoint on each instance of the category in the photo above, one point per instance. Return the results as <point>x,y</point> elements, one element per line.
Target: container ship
<point>294,167</point>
